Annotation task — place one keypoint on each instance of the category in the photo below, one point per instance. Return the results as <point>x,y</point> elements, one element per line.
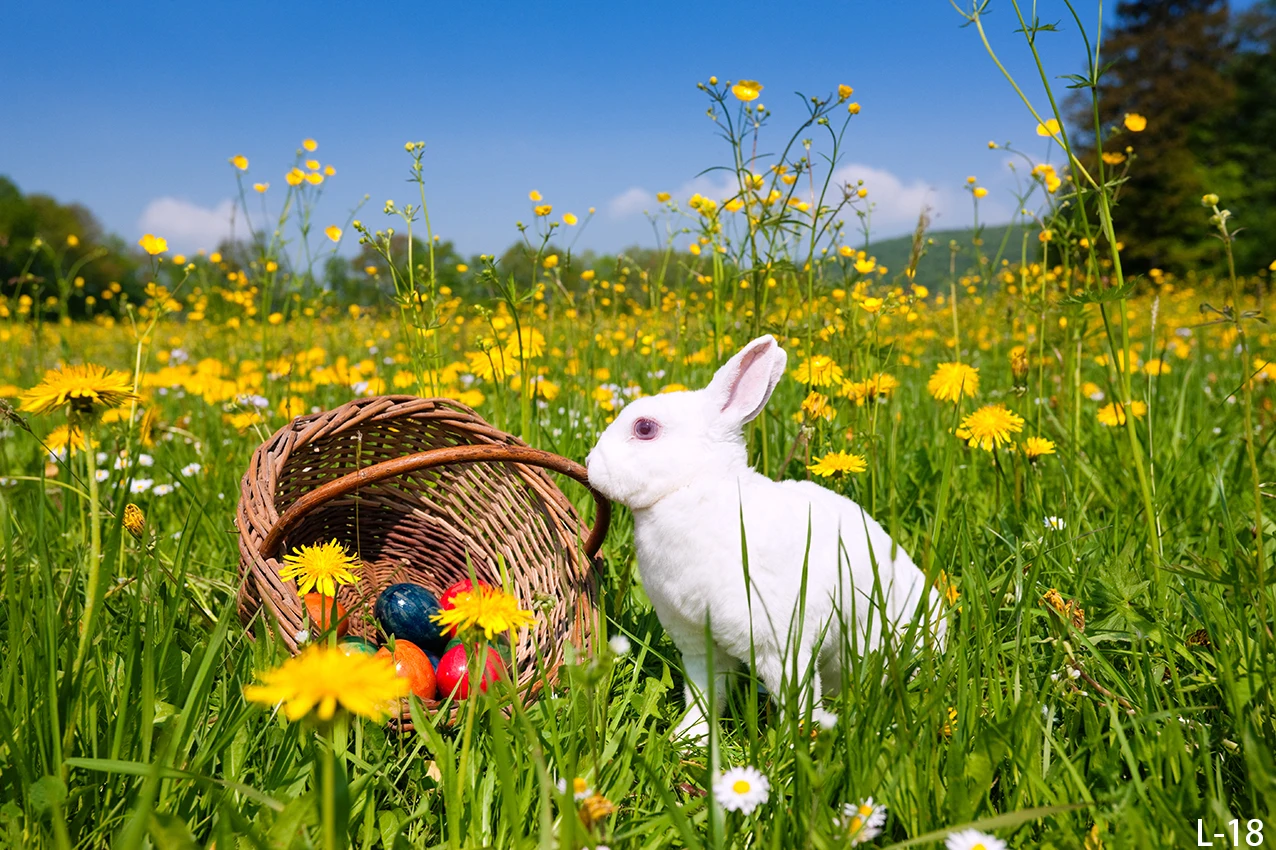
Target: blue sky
<point>134,108</point>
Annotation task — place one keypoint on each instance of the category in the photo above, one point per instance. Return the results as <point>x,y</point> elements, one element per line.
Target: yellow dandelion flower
<point>1156,366</point>
<point>820,371</point>
<point>134,521</point>
<point>1135,123</point>
<point>323,567</point>
<point>991,426</point>
<point>953,381</point>
<point>87,389</point>
<point>816,406</point>
<point>332,232</point>
<point>747,90</point>
<point>838,464</point>
<point>489,609</point>
<point>153,244</point>
<point>1035,447</point>
<point>65,441</point>
<point>322,679</point>
<point>239,161</point>
<point>1114,413</point>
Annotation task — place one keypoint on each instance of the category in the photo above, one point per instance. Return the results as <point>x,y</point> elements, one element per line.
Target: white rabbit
<point>678,461</point>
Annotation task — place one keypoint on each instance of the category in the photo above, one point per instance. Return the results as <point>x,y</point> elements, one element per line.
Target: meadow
<point>1077,459</point>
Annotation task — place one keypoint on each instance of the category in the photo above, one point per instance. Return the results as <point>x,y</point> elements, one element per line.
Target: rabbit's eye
<point>646,429</point>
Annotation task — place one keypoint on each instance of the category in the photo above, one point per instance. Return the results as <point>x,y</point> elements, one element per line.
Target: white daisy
<point>1054,523</point>
<point>741,789</point>
<point>973,839</point>
<point>619,644</point>
<point>162,489</point>
<point>863,822</point>
<point>145,460</point>
<point>102,474</point>
<point>191,469</point>
<point>580,788</point>
<point>140,485</point>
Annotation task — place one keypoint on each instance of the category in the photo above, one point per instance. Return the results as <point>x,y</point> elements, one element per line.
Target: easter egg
<point>445,601</point>
<point>411,663</point>
<point>404,610</point>
<point>454,674</point>
<point>352,645</point>
<point>319,609</point>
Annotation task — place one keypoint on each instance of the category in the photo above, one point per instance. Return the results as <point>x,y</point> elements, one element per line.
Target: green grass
<point>154,742</point>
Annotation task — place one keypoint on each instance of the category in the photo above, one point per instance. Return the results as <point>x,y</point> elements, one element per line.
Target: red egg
<point>454,673</point>
<point>319,608</point>
<point>411,663</point>
<point>445,600</point>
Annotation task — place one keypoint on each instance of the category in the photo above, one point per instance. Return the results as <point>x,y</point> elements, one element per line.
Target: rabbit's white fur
<point>690,486</point>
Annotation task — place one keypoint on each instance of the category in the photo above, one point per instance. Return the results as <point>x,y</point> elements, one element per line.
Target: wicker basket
<point>420,489</point>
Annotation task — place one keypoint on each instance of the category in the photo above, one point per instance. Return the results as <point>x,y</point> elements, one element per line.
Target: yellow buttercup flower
<point>310,145</point>
<point>323,679</point>
<point>1049,128</point>
<point>871,305</point>
<point>569,218</point>
<point>1114,413</point>
<point>260,187</point>
<point>662,197</point>
<point>239,161</point>
<point>1135,123</point>
<point>550,262</point>
<point>295,177</point>
<point>543,210</point>
<point>991,426</point>
<point>72,240</point>
<point>314,178</point>
<point>153,244</point>
<point>489,609</point>
<point>839,464</point>
<point>854,109</point>
<point>953,381</point>
<point>533,196</point>
<point>865,265</point>
<point>979,192</point>
<point>747,90</point>
<point>1113,157</point>
<point>323,567</point>
<point>843,92</point>
<point>332,232</point>
<point>86,389</point>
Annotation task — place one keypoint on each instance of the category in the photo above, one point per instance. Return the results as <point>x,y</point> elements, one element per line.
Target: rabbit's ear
<point>740,389</point>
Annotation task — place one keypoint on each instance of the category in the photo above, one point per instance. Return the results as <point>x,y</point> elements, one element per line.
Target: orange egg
<point>411,663</point>
<point>319,608</point>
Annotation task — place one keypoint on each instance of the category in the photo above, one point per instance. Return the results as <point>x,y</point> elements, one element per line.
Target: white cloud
<point>630,202</point>
<point>897,202</point>
<point>187,226</point>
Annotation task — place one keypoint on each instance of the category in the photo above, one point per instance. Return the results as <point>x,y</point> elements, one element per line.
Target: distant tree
<point>1204,82</point>
<point>1248,135</point>
<point>72,246</point>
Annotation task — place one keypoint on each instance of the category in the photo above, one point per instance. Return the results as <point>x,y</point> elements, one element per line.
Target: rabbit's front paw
<point>693,729</point>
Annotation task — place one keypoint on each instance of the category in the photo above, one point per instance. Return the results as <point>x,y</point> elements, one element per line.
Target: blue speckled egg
<point>404,610</point>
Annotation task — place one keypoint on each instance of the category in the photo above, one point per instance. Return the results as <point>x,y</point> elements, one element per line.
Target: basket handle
<point>441,457</point>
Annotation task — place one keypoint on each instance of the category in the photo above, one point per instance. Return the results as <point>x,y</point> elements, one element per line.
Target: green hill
<point>933,267</point>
